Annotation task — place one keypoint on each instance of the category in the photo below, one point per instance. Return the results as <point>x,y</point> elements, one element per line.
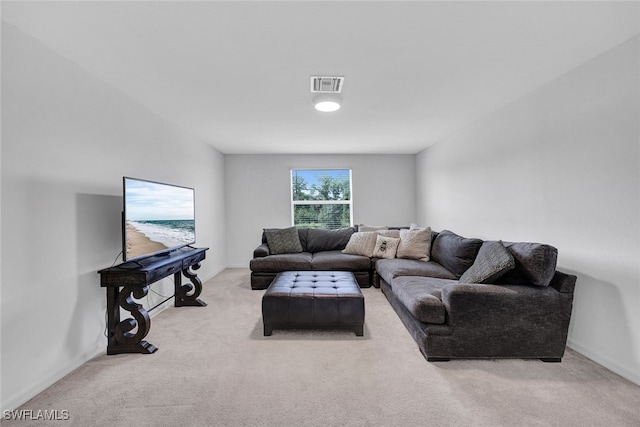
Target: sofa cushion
<point>389,269</point>
<point>535,264</point>
<point>422,296</point>
<point>454,252</point>
<point>493,261</point>
<point>361,243</point>
<point>415,244</point>
<point>281,262</point>
<point>320,239</point>
<point>386,247</point>
<point>336,261</point>
<point>283,240</point>
<point>303,233</point>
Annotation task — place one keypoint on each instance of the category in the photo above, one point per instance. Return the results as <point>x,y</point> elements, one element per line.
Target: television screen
<point>157,218</point>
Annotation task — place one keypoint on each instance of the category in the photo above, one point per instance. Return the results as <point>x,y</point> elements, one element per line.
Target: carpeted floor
<point>214,368</point>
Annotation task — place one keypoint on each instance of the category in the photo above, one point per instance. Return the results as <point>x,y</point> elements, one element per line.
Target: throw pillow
<point>415,244</point>
<point>535,264</point>
<point>386,247</point>
<point>493,261</point>
<point>283,240</point>
<point>361,243</point>
<point>390,233</point>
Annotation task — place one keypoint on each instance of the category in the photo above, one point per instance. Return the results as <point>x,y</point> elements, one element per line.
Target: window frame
<point>321,202</point>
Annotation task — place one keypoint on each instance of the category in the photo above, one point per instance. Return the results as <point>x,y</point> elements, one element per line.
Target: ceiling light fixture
<point>328,89</point>
<point>327,103</point>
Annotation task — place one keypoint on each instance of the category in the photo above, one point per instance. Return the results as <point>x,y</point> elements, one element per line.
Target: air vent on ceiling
<point>324,84</point>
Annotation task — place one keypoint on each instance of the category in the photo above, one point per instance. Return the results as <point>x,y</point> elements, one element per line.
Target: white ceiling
<point>236,74</point>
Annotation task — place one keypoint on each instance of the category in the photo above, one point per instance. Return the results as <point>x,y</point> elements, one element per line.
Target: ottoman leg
<point>268,329</point>
<point>359,330</point>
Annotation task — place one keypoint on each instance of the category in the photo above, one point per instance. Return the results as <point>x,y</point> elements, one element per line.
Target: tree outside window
<point>321,198</point>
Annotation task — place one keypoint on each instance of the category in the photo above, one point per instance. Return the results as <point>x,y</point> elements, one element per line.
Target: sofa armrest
<point>261,251</point>
<point>503,307</point>
<point>564,283</point>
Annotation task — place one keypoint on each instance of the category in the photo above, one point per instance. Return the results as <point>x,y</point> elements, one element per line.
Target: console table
<point>134,278</point>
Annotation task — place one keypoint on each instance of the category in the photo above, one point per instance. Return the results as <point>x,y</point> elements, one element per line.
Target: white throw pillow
<point>390,233</point>
<point>386,247</point>
<point>361,243</point>
<point>415,244</point>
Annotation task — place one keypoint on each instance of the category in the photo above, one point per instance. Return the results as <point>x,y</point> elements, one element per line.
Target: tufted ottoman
<point>313,299</point>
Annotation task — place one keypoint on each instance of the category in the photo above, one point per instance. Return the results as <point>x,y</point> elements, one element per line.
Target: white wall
<point>67,140</point>
<point>560,166</point>
<point>258,193</point>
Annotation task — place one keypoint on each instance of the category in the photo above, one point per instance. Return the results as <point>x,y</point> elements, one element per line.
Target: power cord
<point>106,314</point>
<point>116,258</point>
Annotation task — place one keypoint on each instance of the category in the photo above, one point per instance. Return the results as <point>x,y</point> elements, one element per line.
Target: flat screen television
<point>157,218</point>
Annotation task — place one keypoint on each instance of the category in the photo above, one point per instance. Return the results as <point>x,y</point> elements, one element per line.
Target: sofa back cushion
<point>365,227</point>
<point>454,252</point>
<point>320,239</point>
<point>304,234</point>
<point>535,264</point>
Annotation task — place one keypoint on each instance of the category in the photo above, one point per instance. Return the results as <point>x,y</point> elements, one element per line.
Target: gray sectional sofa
<point>463,298</point>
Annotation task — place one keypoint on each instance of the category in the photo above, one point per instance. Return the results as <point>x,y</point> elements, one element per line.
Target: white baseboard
<point>605,361</point>
<point>246,266</point>
<point>29,392</point>
<point>33,389</point>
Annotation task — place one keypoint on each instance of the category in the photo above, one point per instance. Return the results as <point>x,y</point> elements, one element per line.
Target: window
<point>321,198</point>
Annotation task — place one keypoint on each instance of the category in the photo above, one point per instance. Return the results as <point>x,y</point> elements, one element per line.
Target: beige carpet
<point>214,368</point>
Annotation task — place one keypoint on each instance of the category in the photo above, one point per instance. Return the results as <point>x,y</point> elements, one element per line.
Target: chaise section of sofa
<point>491,321</point>
<point>524,311</point>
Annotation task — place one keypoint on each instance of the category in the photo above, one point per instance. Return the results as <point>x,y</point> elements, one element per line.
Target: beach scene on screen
<point>158,217</point>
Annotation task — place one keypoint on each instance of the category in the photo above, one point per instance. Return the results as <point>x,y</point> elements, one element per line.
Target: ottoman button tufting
<point>334,302</point>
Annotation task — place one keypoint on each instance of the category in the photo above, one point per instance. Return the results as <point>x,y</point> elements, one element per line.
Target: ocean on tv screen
<point>168,233</point>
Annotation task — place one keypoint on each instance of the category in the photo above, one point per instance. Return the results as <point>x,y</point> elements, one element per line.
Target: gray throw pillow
<point>535,264</point>
<point>493,261</point>
<point>283,240</point>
